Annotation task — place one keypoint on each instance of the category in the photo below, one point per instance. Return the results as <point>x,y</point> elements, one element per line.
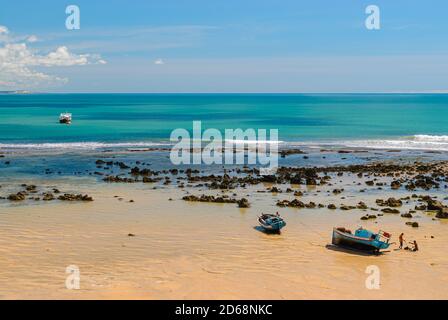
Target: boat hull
<point>272,227</point>
<point>348,240</point>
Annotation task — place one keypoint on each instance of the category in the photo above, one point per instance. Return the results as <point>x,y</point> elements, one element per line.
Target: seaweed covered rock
<point>391,202</point>
<point>118,179</point>
<point>74,197</point>
<point>395,185</point>
<point>435,205</point>
<point>345,207</point>
<point>390,210</point>
<point>47,196</point>
<point>412,224</point>
<point>294,203</point>
<point>243,203</point>
<point>443,214</point>
<point>361,205</point>
<point>406,215</point>
<point>19,196</point>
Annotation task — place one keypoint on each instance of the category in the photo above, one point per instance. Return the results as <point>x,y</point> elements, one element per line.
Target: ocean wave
<point>248,142</point>
<point>102,145</point>
<point>430,138</point>
<point>415,142</point>
<point>77,145</point>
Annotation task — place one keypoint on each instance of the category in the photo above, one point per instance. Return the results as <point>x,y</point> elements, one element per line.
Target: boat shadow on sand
<point>354,251</point>
<point>263,230</point>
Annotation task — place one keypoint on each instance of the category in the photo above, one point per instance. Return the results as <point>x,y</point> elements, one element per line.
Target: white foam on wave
<point>268,142</point>
<point>430,138</point>
<point>415,142</point>
<point>76,145</point>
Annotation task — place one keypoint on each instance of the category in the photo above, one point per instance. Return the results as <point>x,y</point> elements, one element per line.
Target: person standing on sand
<point>401,239</point>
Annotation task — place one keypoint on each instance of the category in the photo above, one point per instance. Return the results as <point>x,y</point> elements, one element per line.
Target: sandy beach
<point>224,150</point>
<point>161,247</point>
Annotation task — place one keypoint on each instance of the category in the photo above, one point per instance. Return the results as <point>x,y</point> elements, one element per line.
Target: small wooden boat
<point>362,239</point>
<point>65,118</point>
<point>271,222</point>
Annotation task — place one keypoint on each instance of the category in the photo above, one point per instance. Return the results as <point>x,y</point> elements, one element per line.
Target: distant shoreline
<point>436,92</point>
<point>16,92</point>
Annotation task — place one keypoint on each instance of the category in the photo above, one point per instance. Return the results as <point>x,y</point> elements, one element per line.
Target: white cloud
<point>3,30</point>
<point>18,63</point>
<point>32,38</point>
<point>134,39</point>
<point>4,34</point>
<point>159,61</point>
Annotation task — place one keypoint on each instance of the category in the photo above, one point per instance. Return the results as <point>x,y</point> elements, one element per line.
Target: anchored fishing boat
<point>65,118</point>
<point>271,222</point>
<point>362,239</point>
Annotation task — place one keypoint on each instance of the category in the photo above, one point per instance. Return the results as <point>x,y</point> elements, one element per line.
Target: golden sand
<point>187,250</point>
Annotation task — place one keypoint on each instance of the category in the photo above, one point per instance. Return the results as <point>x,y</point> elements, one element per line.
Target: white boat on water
<point>65,118</point>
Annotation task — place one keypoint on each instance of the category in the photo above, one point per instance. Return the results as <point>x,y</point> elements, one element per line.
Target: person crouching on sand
<point>401,240</point>
<point>415,246</point>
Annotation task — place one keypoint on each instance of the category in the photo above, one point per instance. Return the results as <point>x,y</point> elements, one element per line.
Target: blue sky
<point>226,46</point>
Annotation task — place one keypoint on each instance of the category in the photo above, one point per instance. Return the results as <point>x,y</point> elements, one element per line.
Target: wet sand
<point>184,250</point>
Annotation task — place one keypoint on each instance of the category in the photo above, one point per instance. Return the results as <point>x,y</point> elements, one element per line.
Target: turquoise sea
<point>360,120</point>
<point>115,126</point>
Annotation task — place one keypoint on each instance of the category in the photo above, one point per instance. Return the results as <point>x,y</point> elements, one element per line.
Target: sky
<point>224,46</point>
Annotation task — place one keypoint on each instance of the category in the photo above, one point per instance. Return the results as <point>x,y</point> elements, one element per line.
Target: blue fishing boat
<point>271,222</point>
<point>362,239</point>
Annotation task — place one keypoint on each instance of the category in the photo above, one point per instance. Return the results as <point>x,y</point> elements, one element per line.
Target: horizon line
<point>25,92</point>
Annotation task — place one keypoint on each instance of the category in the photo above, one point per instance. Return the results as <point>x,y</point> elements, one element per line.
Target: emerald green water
<point>131,118</point>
